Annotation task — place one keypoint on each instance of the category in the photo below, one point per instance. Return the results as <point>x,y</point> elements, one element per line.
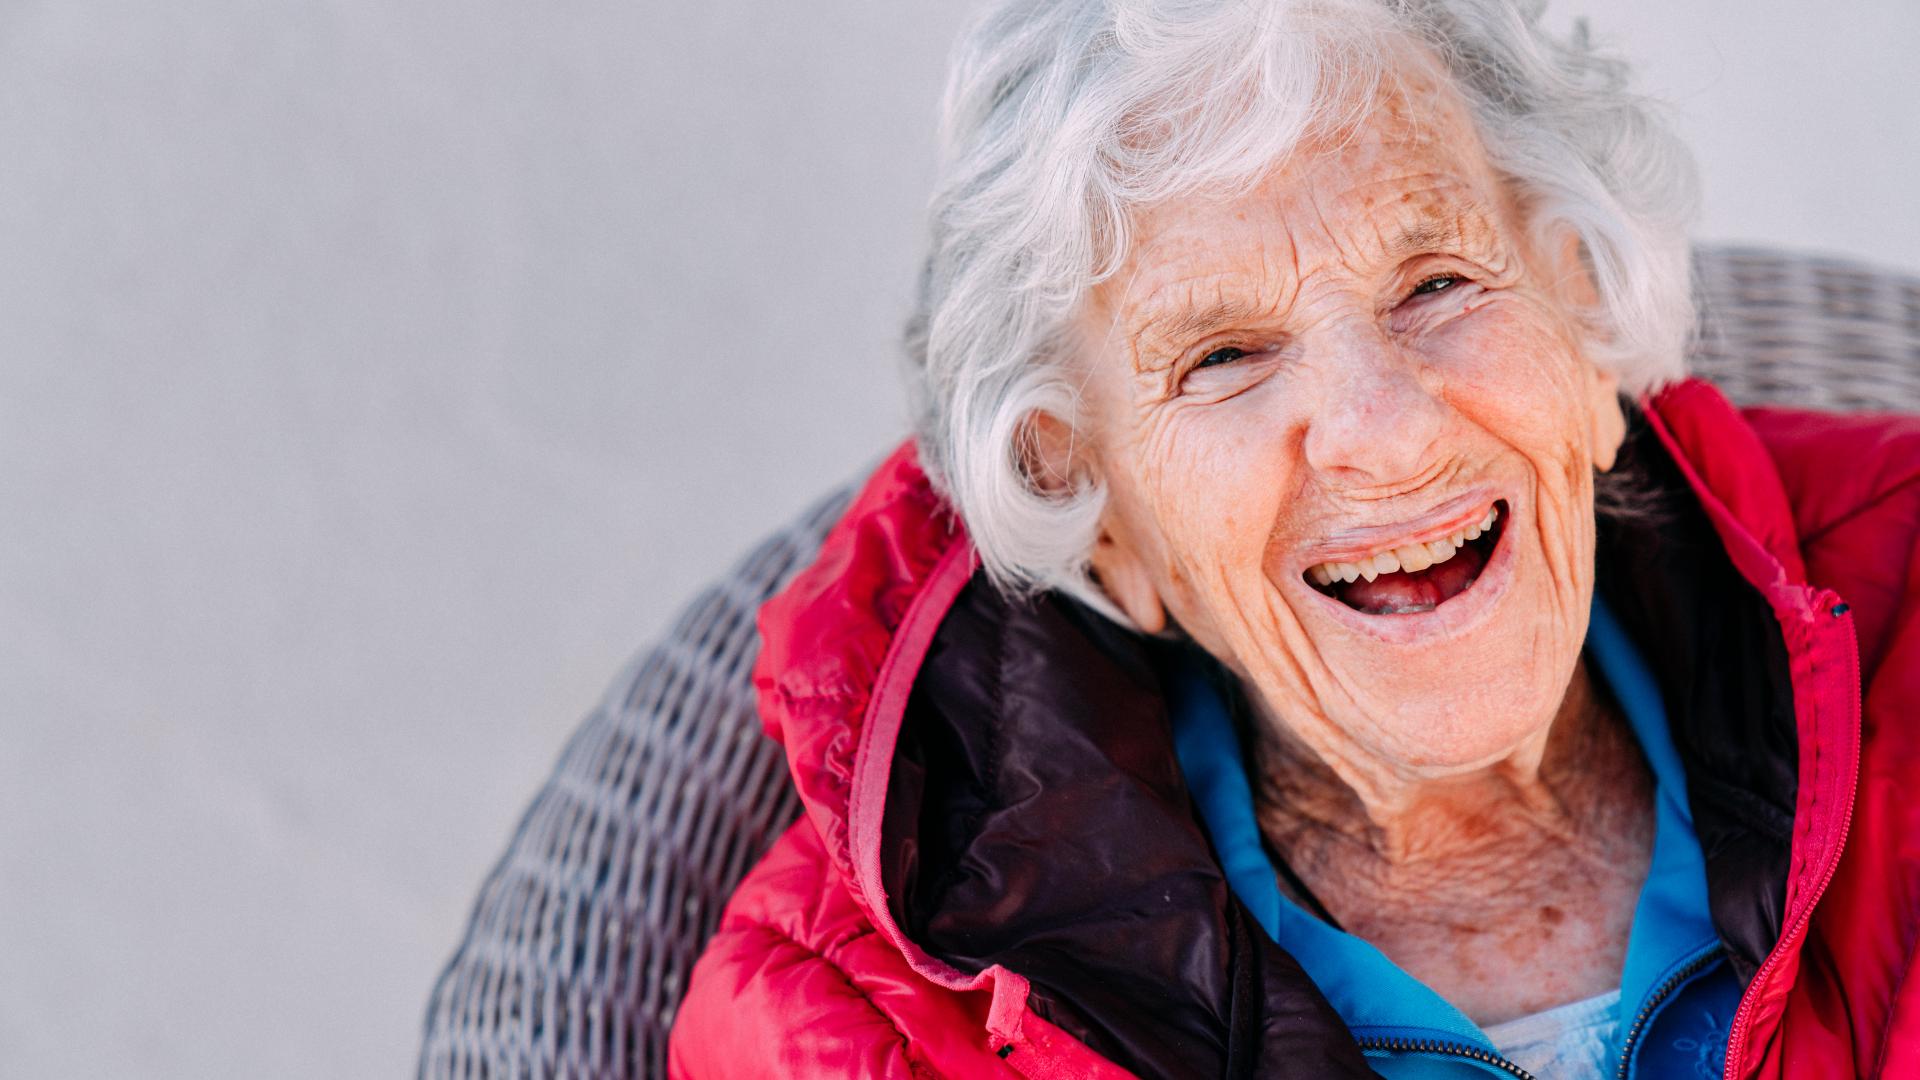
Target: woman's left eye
<point>1436,283</point>
<point>1221,356</point>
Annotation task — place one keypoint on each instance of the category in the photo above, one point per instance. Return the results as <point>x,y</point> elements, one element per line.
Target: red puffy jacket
<point>998,872</point>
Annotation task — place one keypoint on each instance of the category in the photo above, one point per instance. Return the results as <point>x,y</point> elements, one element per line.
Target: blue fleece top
<point>1677,995</point>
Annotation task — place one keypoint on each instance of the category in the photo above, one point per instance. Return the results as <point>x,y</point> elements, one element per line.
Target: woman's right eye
<point>1220,356</point>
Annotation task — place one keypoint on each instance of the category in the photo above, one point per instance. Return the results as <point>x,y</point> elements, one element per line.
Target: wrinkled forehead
<point>1405,174</point>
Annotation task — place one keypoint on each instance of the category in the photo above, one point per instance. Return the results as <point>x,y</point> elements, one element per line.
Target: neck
<point>1582,788</point>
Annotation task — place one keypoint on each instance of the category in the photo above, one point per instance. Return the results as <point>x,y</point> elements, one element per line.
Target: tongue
<point>1401,593</point>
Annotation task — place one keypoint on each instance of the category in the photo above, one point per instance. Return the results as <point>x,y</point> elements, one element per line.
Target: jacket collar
<point>1797,745</point>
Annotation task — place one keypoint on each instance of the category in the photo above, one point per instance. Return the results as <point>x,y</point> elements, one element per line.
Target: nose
<point>1378,422</point>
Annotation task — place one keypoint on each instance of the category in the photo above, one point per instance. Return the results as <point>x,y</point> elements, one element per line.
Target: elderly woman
<point>1317,629</point>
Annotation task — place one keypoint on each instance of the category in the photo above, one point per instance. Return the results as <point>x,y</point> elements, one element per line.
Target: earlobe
<point>1128,585</point>
<point>1609,422</point>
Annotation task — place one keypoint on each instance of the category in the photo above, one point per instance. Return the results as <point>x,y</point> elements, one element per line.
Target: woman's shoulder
<point>797,982</point>
<point>1853,480</point>
<point>1807,483</point>
<point>1837,467</point>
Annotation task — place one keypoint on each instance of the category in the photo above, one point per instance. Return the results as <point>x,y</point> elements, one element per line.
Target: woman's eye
<point>1437,283</point>
<point>1220,356</point>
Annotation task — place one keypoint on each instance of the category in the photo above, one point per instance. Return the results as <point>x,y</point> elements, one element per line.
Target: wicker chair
<point>583,936</point>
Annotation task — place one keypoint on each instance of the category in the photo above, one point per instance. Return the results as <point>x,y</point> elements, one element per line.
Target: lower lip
<point>1452,618</point>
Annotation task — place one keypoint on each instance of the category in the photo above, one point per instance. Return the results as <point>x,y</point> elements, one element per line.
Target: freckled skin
<point>1472,806</point>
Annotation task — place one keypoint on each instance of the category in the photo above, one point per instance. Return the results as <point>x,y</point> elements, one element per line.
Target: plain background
<point>376,377</point>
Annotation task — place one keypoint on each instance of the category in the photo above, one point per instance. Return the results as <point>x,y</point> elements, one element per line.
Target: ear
<point>1123,575</point>
<point>1572,277</point>
<point>1573,282</point>
<point>1052,463</point>
<point>1046,451</point>
<point>1609,421</point>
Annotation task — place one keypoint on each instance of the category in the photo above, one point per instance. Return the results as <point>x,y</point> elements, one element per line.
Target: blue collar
<point>1672,926</point>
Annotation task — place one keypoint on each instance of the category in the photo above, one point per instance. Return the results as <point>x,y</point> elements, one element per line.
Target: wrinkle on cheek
<point>1183,559</point>
<point>1291,676</point>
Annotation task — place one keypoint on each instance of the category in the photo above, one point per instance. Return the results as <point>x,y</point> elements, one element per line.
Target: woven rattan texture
<point>583,935</point>
<point>1800,330</point>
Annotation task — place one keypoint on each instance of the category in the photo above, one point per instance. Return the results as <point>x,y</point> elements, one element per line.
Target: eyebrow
<point>1412,239</point>
<point>1179,324</point>
<point>1450,229</point>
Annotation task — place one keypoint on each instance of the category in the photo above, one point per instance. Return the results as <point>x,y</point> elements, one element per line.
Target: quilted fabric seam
<point>907,1054</point>
<point>1874,502</point>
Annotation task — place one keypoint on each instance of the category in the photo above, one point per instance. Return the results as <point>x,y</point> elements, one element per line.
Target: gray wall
<point>374,378</point>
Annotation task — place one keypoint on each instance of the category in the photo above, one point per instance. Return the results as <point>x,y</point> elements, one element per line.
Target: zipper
<point>1435,1046</point>
<point>1743,1016</point>
<point>1658,998</point>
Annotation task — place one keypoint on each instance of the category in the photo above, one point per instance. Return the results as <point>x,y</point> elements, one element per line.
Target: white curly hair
<point>1063,116</point>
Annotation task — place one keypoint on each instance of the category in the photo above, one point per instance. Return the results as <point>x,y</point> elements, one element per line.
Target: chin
<point>1466,738</point>
<point>1466,700</point>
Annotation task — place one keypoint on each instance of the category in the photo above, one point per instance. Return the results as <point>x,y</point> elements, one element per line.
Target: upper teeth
<point>1412,558</point>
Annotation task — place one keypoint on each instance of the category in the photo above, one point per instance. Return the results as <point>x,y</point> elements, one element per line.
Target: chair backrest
<point>583,935</point>
<point>1803,330</point>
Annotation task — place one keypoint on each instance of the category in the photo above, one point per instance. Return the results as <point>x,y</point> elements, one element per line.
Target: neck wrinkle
<point>1583,786</point>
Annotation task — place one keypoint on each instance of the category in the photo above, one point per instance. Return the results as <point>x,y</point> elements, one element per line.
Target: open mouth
<point>1414,577</point>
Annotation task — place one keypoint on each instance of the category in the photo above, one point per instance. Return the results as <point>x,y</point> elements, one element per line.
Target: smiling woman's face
<point>1356,363</point>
